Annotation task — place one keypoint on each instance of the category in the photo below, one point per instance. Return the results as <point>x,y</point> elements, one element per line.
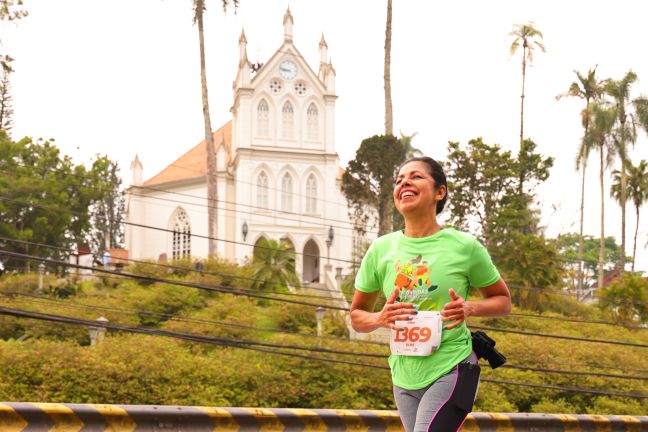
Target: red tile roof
<point>194,162</point>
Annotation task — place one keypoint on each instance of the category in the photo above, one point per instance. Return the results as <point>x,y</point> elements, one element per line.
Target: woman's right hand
<point>395,311</point>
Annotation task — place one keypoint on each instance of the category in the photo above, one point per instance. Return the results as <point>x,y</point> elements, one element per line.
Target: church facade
<point>278,174</point>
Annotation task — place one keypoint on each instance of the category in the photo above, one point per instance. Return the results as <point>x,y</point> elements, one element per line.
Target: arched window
<point>262,190</point>
<point>181,246</point>
<point>312,123</point>
<point>311,194</point>
<point>263,119</point>
<point>286,193</point>
<point>287,120</point>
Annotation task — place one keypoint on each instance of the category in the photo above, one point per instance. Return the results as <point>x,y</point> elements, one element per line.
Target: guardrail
<point>49,417</point>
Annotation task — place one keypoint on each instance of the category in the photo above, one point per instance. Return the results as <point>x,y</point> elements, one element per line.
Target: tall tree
<point>589,89</point>
<point>389,117</point>
<point>200,8</point>
<point>529,38</point>
<point>629,116</point>
<point>107,212</point>
<point>636,190</point>
<point>367,183</point>
<point>44,197</point>
<point>6,108</point>
<point>484,186</point>
<point>599,136</point>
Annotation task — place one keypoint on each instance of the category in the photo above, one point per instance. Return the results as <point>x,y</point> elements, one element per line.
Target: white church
<point>278,174</point>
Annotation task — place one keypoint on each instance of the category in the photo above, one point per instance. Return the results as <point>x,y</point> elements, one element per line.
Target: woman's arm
<point>496,302</point>
<point>364,320</point>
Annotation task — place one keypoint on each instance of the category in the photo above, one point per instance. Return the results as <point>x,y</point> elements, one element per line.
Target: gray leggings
<point>443,405</point>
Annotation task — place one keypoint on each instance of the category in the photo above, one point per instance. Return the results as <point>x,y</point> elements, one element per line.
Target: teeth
<point>407,194</point>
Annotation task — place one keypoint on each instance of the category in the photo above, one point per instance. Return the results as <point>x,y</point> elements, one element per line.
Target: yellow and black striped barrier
<point>49,417</point>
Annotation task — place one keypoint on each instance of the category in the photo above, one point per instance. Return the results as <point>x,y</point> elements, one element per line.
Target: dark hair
<point>436,171</point>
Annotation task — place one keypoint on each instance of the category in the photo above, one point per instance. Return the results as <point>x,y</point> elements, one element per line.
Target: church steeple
<point>136,172</point>
<point>323,47</point>
<point>243,74</point>
<point>288,26</point>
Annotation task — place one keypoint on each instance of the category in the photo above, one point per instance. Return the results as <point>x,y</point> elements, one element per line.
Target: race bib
<point>420,336</point>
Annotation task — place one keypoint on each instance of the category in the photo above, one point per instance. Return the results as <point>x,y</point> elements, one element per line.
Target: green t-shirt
<point>425,269</point>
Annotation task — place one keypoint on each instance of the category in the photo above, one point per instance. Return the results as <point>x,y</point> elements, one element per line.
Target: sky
<point>122,77</point>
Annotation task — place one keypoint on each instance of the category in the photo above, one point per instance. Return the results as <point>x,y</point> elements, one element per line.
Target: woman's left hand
<point>456,310</point>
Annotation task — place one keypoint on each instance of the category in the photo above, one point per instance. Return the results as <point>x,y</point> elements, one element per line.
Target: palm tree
<point>199,8</point>
<point>599,137</point>
<point>525,35</point>
<point>589,89</point>
<point>408,148</point>
<point>389,117</point>
<point>274,265</point>
<point>636,190</point>
<point>626,133</point>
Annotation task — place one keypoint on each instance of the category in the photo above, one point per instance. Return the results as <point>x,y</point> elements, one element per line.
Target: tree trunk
<point>602,240</point>
<point>385,224</point>
<point>634,247</point>
<point>579,286</point>
<point>522,174</point>
<point>389,118</point>
<point>624,198</point>
<point>212,191</point>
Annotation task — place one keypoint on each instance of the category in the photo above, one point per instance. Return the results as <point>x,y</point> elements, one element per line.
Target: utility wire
<point>216,288</point>
<point>229,290</point>
<point>263,348</point>
<point>555,336</point>
<point>48,300</point>
<point>168,266</point>
<point>171,231</point>
<point>228,275</point>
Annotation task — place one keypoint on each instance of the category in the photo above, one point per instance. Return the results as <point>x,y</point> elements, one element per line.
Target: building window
<point>181,235</point>
<point>263,119</point>
<point>286,193</point>
<point>287,120</point>
<point>262,190</point>
<point>312,123</point>
<point>311,194</point>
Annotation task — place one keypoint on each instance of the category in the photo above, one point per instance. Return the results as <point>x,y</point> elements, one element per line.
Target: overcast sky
<point>121,77</point>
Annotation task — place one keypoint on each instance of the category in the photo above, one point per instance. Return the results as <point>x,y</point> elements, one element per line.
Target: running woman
<point>425,272</point>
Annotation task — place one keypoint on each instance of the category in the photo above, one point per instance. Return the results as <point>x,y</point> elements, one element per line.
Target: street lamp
<point>97,333</point>
<point>329,242</point>
<point>319,315</point>
<point>244,230</point>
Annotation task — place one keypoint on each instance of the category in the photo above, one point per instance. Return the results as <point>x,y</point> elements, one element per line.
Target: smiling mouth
<point>407,194</point>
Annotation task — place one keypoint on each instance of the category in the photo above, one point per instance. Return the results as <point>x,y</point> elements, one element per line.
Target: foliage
<point>626,298</point>
<point>55,363</point>
<point>108,213</point>
<point>45,196</point>
<point>531,267</point>
<point>274,266</point>
<point>6,108</point>
<point>567,245</point>
<point>368,180</point>
<point>484,183</point>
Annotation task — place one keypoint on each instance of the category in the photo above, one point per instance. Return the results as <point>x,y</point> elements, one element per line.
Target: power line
<point>74,305</point>
<point>555,336</point>
<point>193,270</point>
<point>216,288</point>
<point>264,348</point>
<point>169,266</point>
<point>171,231</point>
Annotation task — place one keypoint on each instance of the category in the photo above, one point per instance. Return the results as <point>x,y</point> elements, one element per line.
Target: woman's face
<point>415,189</point>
